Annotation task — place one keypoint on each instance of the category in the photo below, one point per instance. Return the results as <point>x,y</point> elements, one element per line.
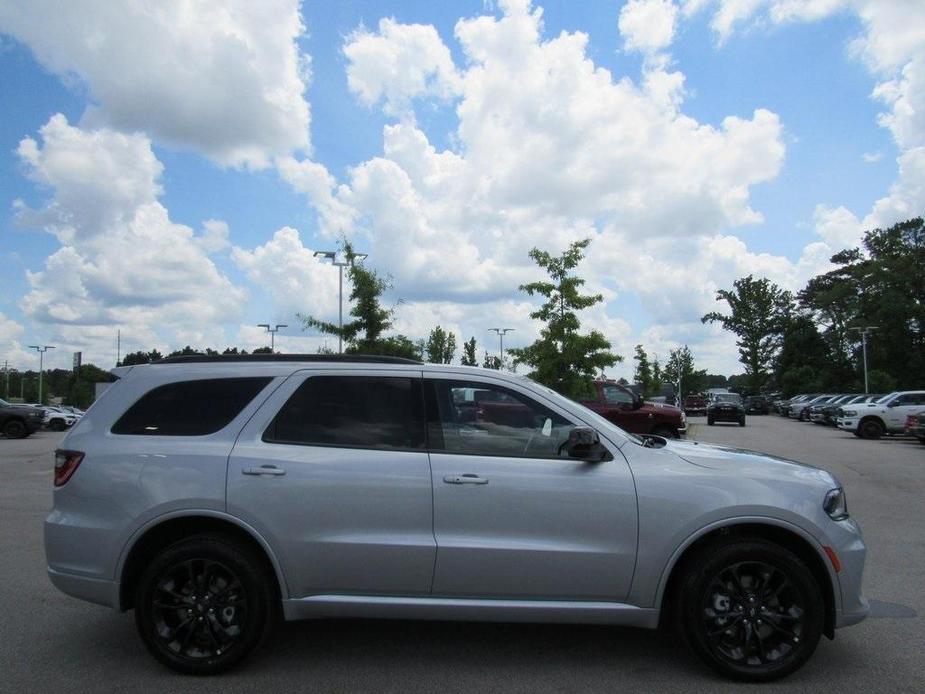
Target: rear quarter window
<point>189,408</point>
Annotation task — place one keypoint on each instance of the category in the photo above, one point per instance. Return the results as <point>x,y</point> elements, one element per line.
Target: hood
<point>744,462</point>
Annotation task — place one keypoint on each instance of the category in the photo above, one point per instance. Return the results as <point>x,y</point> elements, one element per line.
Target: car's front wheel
<point>871,428</point>
<point>750,609</point>
<point>710,420</point>
<point>204,603</point>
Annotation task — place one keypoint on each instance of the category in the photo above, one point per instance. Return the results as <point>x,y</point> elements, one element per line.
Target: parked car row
<point>866,415</point>
<point>18,421</point>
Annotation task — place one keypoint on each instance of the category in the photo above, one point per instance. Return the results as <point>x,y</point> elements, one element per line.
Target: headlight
<point>835,504</point>
<point>851,413</point>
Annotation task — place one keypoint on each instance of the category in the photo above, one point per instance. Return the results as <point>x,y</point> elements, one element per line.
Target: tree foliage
<point>642,375</point>
<point>680,369</point>
<point>882,285</point>
<point>758,309</point>
<point>468,355</point>
<point>364,334</point>
<point>440,347</point>
<point>563,358</point>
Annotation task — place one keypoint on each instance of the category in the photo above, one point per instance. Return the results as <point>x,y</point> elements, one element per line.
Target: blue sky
<point>187,188</point>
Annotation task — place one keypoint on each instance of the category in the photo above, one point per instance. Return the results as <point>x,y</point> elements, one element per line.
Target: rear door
<point>333,473</point>
<point>513,517</point>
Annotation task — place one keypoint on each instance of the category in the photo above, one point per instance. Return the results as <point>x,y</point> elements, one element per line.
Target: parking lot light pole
<point>337,258</point>
<point>501,333</point>
<point>272,332</point>
<point>41,349</point>
<point>864,333</point>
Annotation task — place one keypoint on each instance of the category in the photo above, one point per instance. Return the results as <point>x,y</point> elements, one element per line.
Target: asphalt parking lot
<point>49,642</point>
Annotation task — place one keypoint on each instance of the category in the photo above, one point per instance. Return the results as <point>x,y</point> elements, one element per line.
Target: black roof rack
<point>334,358</point>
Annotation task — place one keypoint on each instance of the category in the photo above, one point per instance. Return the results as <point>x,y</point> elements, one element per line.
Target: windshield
<point>728,397</point>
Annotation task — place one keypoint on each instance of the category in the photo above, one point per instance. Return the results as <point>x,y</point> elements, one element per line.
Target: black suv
<point>18,421</point>
<point>726,407</point>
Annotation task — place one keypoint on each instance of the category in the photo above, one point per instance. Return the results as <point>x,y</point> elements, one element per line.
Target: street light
<point>337,258</point>
<point>272,332</point>
<point>501,333</point>
<point>41,350</point>
<point>864,333</point>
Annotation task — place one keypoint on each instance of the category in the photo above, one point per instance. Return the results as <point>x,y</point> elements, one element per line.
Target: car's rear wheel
<point>710,420</point>
<point>750,609</point>
<point>742,422</point>
<point>57,425</point>
<point>203,604</point>
<point>15,429</point>
<point>870,429</point>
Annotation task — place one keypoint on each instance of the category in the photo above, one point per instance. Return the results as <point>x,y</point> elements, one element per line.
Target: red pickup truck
<point>628,411</point>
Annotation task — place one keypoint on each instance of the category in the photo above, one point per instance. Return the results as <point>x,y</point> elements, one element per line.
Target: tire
<point>666,432</point>
<point>710,421</point>
<point>780,606</point>
<point>742,422</point>
<point>229,580</point>
<point>57,425</point>
<point>15,429</point>
<point>871,428</point>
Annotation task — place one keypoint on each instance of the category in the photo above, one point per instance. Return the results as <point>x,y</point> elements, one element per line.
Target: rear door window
<point>379,412</point>
<point>189,408</point>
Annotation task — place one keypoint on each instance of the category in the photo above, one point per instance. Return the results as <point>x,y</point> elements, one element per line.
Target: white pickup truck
<point>871,420</point>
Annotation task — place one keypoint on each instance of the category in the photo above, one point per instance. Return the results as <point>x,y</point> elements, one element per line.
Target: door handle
<point>465,478</point>
<point>264,470</point>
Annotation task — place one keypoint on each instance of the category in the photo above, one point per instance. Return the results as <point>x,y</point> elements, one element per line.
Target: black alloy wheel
<point>751,610</point>
<point>870,429</point>
<point>203,604</point>
<point>15,429</point>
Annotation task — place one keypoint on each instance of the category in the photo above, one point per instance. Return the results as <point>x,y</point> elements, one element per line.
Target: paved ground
<point>49,642</point>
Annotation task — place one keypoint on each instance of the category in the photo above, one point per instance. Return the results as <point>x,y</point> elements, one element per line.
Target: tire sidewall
<point>262,601</point>
<point>707,563</point>
<point>871,429</point>
<point>15,429</point>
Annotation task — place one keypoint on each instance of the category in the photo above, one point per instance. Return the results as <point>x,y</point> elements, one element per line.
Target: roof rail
<point>334,358</point>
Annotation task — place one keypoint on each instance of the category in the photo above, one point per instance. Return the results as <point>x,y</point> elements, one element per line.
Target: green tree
<point>680,367</point>
<point>758,310</point>
<point>881,284</point>
<point>491,361</point>
<point>263,350</point>
<point>440,347</point>
<point>655,387</point>
<point>468,355</point>
<point>804,347</point>
<point>364,334</point>
<point>643,372</point>
<point>563,358</point>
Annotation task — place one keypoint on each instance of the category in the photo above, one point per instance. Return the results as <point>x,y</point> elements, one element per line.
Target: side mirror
<point>585,444</point>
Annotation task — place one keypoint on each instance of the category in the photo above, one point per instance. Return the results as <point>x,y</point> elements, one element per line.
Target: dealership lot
<point>49,641</point>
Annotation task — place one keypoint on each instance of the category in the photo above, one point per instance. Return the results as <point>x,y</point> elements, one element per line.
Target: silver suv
<point>214,495</point>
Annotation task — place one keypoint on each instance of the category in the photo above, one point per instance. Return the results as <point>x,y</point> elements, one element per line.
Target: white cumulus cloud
<point>225,79</point>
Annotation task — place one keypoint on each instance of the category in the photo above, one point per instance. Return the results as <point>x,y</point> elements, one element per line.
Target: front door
<point>513,518</point>
<point>900,407</point>
<point>333,473</point>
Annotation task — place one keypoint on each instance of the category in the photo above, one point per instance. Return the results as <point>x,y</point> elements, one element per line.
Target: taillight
<point>66,463</point>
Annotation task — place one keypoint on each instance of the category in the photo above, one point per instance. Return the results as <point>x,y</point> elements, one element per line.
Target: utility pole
<point>337,258</point>
<point>119,347</point>
<point>864,333</point>
<point>501,333</point>
<point>272,332</point>
<point>41,349</point>
<point>6,371</point>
